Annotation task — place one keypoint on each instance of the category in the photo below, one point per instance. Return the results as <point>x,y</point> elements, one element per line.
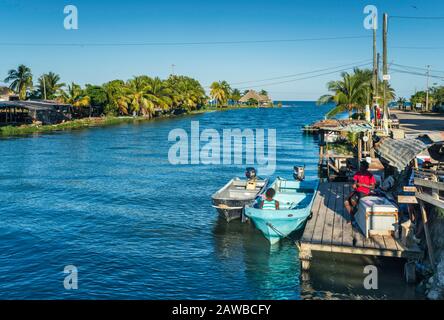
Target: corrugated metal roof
<point>31,105</point>
<point>436,137</point>
<point>399,153</point>
<point>354,128</point>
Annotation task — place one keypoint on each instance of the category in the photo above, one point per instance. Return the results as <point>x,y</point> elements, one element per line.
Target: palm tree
<point>185,93</point>
<point>75,96</point>
<point>49,86</point>
<point>117,101</point>
<point>348,94</point>
<point>159,93</point>
<point>401,103</point>
<point>390,94</point>
<point>142,101</point>
<point>21,80</point>
<point>219,93</point>
<point>236,95</point>
<point>418,98</point>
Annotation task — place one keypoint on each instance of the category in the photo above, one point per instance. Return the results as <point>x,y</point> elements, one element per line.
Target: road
<point>420,123</point>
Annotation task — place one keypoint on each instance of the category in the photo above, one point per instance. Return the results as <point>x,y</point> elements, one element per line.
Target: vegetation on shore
<point>138,99</point>
<point>140,96</point>
<point>353,92</point>
<point>436,99</point>
<point>10,131</point>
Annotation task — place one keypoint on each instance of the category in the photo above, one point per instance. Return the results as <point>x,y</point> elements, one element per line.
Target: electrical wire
<point>305,78</point>
<point>417,68</point>
<point>303,73</point>
<point>143,44</point>
<point>416,18</point>
<point>417,74</point>
<point>416,48</point>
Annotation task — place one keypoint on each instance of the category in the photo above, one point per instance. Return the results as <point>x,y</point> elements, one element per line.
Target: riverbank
<point>24,130</point>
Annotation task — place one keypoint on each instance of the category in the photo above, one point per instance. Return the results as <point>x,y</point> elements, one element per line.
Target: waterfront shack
<point>342,145</point>
<point>38,112</point>
<point>262,100</point>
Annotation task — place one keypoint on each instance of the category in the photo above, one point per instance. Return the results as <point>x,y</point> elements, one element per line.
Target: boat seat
<point>251,185</point>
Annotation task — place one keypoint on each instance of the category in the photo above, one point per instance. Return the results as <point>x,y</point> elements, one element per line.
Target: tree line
<point>436,99</point>
<point>141,95</point>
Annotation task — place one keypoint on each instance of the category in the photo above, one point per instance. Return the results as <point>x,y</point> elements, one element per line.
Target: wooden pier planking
<point>327,233</point>
<point>309,228</point>
<point>338,233</point>
<point>329,230</point>
<point>320,221</point>
<point>347,237</point>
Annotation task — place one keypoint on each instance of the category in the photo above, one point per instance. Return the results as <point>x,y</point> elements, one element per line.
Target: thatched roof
<point>256,96</point>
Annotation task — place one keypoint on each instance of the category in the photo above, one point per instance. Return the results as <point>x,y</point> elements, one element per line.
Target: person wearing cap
<point>365,182</point>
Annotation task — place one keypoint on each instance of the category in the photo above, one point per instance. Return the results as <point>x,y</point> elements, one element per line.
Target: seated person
<point>365,182</point>
<point>269,203</point>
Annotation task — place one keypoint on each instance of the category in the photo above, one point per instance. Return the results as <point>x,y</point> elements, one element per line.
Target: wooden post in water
<point>425,221</point>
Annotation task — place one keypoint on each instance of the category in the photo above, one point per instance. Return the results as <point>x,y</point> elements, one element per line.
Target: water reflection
<point>271,272</point>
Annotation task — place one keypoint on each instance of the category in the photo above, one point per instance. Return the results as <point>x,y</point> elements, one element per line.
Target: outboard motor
<point>299,173</point>
<point>251,173</point>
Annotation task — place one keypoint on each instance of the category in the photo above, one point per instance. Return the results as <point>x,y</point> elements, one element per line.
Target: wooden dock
<point>328,230</point>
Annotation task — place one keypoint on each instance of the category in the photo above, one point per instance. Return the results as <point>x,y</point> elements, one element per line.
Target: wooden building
<point>28,112</point>
<point>262,100</point>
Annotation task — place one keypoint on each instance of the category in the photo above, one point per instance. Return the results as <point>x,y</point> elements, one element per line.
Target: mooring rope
<point>296,242</point>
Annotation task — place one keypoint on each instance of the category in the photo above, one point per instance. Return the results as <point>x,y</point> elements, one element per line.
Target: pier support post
<point>410,272</point>
<point>305,256</point>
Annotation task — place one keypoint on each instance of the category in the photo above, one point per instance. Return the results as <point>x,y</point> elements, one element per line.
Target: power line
<point>143,44</point>
<point>416,48</point>
<point>418,74</point>
<point>416,18</point>
<point>417,68</point>
<point>305,78</point>
<point>302,73</point>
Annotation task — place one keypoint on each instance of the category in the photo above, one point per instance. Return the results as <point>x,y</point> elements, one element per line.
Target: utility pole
<point>385,71</point>
<point>428,89</point>
<point>375,66</point>
<point>172,69</point>
<point>378,59</point>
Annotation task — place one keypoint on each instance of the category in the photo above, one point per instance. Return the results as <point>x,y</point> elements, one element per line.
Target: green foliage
<point>352,92</point>
<point>21,80</point>
<point>220,92</point>
<point>97,95</point>
<point>49,83</point>
<point>436,97</point>
<point>353,138</point>
<point>341,147</point>
<point>252,102</point>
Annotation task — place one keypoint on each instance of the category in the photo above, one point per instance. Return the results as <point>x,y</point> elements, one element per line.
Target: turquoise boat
<point>296,201</point>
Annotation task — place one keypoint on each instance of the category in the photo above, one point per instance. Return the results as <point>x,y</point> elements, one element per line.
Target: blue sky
<point>135,21</point>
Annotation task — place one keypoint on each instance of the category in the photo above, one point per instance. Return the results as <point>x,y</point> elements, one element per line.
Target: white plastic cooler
<point>376,216</point>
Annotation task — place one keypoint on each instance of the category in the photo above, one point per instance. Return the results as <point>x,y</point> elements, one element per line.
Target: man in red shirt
<point>365,182</point>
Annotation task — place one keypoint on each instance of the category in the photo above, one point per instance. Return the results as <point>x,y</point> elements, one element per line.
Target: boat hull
<point>231,200</point>
<point>276,228</point>
<point>296,201</point>
<point>230,214</point>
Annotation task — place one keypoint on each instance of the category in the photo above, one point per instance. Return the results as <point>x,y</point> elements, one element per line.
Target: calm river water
<point>108,201</point>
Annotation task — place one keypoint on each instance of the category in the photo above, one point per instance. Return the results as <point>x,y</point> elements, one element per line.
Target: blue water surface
<point>108,201</point>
